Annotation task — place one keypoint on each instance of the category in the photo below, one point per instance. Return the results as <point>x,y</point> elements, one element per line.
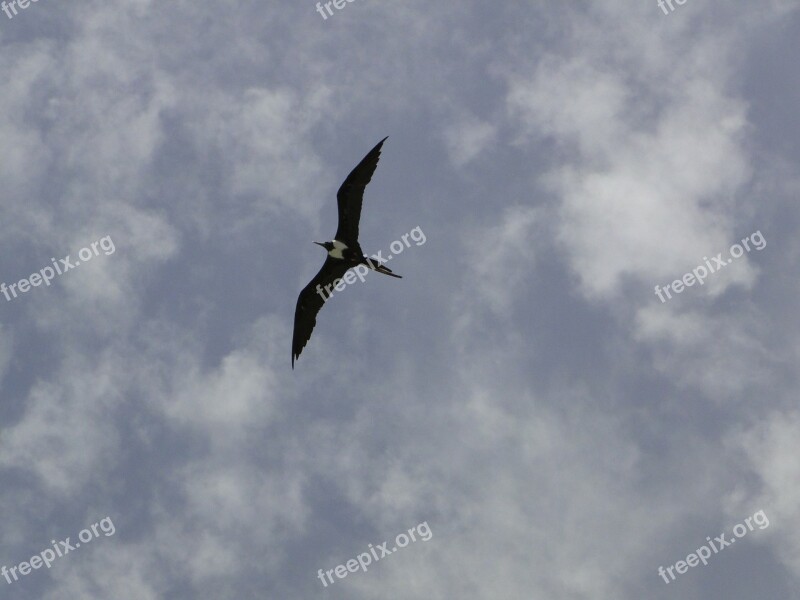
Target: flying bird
<point>344,252</point>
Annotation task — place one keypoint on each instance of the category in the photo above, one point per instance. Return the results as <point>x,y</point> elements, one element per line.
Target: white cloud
<point>549,463</point>
<point>772,450</point>
<point>467,138</point>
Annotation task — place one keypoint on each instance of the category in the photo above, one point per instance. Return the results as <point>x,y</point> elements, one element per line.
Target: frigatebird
<point>344,252</point>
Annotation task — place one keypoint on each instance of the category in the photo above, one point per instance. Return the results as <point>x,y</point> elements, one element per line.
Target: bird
<point>344,251</point>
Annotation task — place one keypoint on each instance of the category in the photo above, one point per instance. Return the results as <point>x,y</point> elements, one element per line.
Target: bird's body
<point>341,251</point>
<point>338,249</point>
<point>344,252</point>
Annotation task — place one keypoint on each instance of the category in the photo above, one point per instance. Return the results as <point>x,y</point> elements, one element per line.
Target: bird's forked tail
<point>379,268</point>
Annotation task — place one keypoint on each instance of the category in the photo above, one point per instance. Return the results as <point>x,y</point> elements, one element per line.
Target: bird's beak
<point>319,244</point>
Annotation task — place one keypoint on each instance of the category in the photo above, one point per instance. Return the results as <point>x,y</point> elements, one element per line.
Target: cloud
<point>520,389</point>
<point>651,186</point>
<point>770,448</point>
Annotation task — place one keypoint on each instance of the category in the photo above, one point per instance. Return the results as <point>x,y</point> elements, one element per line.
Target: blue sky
<point>522,390</point>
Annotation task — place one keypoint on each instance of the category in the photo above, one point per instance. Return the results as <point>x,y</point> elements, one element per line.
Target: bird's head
<point>327,245</point>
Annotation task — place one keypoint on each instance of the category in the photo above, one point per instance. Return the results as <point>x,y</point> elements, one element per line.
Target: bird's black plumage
<point>309,303</point>
<point>351,194</point>
<point>314,295</point>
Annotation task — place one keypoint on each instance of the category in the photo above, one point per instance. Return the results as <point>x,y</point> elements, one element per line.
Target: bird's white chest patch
<point>337,250</point>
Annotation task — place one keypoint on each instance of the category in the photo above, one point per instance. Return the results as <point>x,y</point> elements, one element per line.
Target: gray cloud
<point>521,389</point>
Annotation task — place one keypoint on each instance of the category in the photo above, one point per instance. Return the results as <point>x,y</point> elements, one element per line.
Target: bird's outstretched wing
<point>311,300</point>
<point>351,194</point>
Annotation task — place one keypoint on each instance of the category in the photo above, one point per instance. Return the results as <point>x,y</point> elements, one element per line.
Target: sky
<point>587,374</point>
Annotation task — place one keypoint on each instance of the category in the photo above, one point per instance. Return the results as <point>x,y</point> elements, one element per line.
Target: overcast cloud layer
<point>522,390</point>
